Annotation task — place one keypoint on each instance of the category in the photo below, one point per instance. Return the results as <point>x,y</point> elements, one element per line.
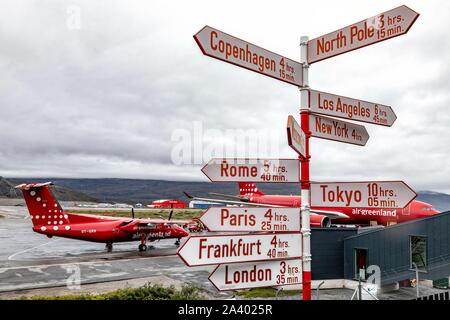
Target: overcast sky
<point>104,98</point>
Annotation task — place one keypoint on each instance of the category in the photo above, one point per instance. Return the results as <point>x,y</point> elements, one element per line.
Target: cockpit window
<point>426,209</point>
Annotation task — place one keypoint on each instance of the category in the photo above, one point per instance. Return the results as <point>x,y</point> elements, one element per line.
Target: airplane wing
<point>329,214</point>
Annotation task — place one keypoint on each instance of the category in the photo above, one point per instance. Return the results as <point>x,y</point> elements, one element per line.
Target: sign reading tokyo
<point>296,136</point>
<point>384,26</point>
<point>370,194</point>
<point>337,130</point>
<point>251,219</point>
<point>252,170</point>
<point>256,274</point>
<point>201,250</point>
<point>353,109</point>
<point>222,46</point>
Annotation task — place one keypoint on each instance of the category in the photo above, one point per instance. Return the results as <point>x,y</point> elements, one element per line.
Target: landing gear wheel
<point>109,247</point>
<point>177,243</point>
<point>142,247</point>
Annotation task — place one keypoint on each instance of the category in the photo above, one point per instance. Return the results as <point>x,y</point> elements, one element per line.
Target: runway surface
<point>29,260</point>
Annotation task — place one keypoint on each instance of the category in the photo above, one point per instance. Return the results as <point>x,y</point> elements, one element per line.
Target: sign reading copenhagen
<point>222,46</point>
<point>201,250</point>
<point>353,109</point>
<point>256,274</point>
<point>337,130</point>
<point>384,26</point>
<point>370,194</point>
<point>252,170</point>
<point>251,219</point>
<point>296,136</point>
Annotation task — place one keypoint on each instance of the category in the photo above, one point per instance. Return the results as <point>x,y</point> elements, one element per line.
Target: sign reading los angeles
<point>296,136</point>
<point>222,46</point>
<point>251,219</point>
<point>337,130</point>
<point>206,250</point>
<point>252,170</point>
<point>384,26</point>
<point>353,109</point>
<point>370,194</point>
<point>256,274</point>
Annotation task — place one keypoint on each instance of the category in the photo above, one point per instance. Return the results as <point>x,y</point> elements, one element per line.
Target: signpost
<point>207,250</point>
<point>337,130</point>
<point>222,46</point>
<point>251,219</point>
<point>384,26</point>
<point>252,170</point>
<point>256,274</point>
<point>296,136</point>
<point>352,109</point>
<point>369,194</point>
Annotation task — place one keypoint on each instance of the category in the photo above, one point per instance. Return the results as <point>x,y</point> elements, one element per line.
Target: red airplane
<point>50,219</point>
<point>250,195</point>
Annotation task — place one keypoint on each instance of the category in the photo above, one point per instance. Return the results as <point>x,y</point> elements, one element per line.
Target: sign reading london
<point>251,219</point>
<point>384,26</point>
<point>206,250</point>
<point>222,46</point>
<point>370,194</point>
<point>352,109</point>
<point>252,170</point>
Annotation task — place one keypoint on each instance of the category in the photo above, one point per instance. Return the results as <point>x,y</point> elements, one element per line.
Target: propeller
<point>170,214</point>
<point>132,213</point>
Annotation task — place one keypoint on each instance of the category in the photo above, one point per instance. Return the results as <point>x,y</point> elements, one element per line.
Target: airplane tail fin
<point>44,209</point>
<point>249,189</point>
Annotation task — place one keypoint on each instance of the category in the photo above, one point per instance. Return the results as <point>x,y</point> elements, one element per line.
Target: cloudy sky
<point>108,88</point>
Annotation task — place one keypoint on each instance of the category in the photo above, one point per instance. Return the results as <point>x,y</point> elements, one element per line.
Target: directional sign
<point>256,274</point>
<point>222,46</point>
<point>206,250</point>
<point>353,109</point>
<point>296,136</point>
<point>248,219</point>
<point>368,194</point>
<point>337,130</point>
<point>384,26</point>
<point>252,170</point>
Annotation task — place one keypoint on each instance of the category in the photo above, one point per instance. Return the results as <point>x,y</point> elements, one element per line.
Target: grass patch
<point>178,214</point>
<point>266,293</point>
<point>146,292</point>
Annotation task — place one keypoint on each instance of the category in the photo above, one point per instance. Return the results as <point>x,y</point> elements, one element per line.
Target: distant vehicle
<point>50,219</point>
<point>251,195</point>
<point>170,204</point>
<point>138,205</point>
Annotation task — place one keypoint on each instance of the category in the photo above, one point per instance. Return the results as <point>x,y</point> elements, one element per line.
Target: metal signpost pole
<point>305,182</point>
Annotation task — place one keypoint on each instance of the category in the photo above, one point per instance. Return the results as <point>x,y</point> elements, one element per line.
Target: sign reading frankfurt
<point>252,170</point>
<point>222,46</point>
<point>384,26</point>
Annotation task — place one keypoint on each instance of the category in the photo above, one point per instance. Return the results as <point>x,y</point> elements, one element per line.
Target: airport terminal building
<point>398,251</point>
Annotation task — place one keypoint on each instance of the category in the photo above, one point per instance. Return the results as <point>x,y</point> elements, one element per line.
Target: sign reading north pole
<point>251,219</point>
<point>222,46</point>
<point>296,136</point>
<point>252,170</point>
<point>207,250</point>
<point>337,130</point>
<point>256,274</point>
<point>369,194</point>
<point>384,26</point>
<point>349,108</point>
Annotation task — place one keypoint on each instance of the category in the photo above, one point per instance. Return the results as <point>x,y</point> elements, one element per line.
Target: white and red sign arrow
<point>251,219</point>
<point>256,274</point>
<point>296,136</point>
<point>222,46</point>
<point>384,26</point>
<point>337,130</point>
<point>368,194</point>
<point>216,249</point>
<point>352,109</point>
<point>252,170</point>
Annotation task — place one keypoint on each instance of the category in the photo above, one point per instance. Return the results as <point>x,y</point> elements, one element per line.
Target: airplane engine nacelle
<point>320,221</point>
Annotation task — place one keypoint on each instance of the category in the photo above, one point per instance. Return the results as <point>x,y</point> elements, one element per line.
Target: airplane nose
<point>181,232</point>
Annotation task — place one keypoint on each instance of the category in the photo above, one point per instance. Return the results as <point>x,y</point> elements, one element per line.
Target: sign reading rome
<point>222,46</point>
